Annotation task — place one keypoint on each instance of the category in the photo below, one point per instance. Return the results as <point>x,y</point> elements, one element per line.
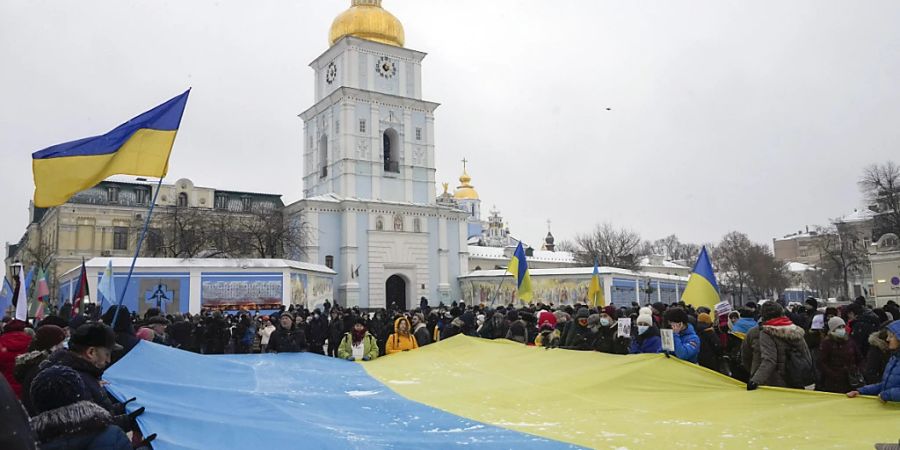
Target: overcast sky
<point>751,115</point>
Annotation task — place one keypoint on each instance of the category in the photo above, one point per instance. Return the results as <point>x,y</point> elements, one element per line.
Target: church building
<point>369,171</point>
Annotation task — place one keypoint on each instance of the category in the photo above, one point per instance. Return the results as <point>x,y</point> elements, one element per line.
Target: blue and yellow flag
<point>518,266</point>
<point>138,147</point>
<point>595,293</point>
<point>702,289</point>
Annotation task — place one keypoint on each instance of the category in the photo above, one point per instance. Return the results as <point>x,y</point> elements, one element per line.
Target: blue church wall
<point>434,276</point>
<point>474,229</point>
<point>363,185</point>
<point>362,260</point>
<point>330,239</point>
<point>391,189</point>
<point>453,258</point>
<point>173,288</point>
<point>420,185</point>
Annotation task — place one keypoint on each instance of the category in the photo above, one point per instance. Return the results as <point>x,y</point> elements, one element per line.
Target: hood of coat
<point>397,325</point>
<point>64,357</point>
<point>26,361</point>
<point>79,417</point>
<point>878,339</point>
<point>788,332</point>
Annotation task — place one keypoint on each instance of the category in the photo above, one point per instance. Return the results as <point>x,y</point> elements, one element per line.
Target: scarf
<point>358,335</point>
<point>778,322</point>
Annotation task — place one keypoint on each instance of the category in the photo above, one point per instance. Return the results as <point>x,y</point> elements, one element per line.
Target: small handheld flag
<point>6,296</point>
<point>42,294</point>
<point>22,298</point>
<point>702,289</point>
<point>518,266</point>
<point>81,293</point>
<point>138,147</point>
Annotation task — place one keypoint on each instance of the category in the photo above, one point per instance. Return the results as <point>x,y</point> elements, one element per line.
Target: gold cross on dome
<point>464,161</point>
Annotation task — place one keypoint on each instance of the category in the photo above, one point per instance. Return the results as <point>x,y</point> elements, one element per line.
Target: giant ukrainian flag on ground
<point>702,289</point>
<point>139,147</point>
<point>518,266</point>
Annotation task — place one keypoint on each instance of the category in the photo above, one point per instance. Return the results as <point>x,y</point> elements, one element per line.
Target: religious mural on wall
<point>558,291</point>
<point>258,291</point>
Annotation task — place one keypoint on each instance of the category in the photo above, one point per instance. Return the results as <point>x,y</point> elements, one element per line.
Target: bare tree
<point>841,255</point>
<point>613,247</point>
<point>767,276</point>
<point>268,235</point>
<point>880,183</point>
<point>732,257</point>
<point>566,246</point>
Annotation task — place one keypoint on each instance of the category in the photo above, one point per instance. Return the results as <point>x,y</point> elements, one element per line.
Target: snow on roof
<point>645,262</point>
<point>130,179</point>
<point>498,253</point>
<point>799,267</point>
<point>205,263</point>
<point>858,215</point>
<point>576,271</point>
<point>334,198</point>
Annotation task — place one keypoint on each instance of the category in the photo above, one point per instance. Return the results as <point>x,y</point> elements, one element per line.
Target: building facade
<point>369,171</point>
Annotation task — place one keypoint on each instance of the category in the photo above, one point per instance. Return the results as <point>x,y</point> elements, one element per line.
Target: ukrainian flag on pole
<point>595,293</point>
<point>518,266</point>
<point>702,289</point>
<point>138,147</point>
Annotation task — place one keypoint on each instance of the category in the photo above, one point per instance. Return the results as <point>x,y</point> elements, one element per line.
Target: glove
<point>134,414</point>
<point>752,385</point>
<point>146,442</point>
<point>350,358</point>
<point>366,358</point>
<point>129,401</point>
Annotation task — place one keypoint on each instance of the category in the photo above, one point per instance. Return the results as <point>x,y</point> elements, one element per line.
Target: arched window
<point>391,147</point>
<point>182,200</point>
<point>323,157</point>
<point>329,261</point>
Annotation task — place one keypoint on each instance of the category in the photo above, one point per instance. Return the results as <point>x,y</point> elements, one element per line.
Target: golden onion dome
<point>465,191</point>
<point>366,19</point>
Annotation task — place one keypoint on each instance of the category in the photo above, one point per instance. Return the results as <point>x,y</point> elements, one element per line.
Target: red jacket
<point>12,344</point>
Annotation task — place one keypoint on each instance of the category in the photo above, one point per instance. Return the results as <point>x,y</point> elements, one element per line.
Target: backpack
<point>798,367</point>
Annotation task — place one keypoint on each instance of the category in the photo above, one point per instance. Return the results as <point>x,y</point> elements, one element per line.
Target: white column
<point>194,304</point>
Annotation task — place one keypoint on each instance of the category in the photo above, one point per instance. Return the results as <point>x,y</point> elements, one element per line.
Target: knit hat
<point>46,337</point>
<point>14,325</point>
<point>704,318</point>
<point>834,323</point>
<point>582,313</point>
<point>676,315</point>
<point>645,310</point>
<point>646,319</point>
<point>611,311</point>
<point>512,315</point>
<point>286,314</point>
<point>546,318</point>
<point>55,387</point>
<point>812,302</point>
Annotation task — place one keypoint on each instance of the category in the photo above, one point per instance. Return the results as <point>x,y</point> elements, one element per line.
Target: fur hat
<point>94,334</point>
<point>676,315</point>
<point>55,387</point>
<point>46,337</point>
<point>53,320</point>
<point>704,318</point>
<point>834,323</point>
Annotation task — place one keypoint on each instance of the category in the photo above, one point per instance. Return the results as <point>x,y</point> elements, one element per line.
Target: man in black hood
<point>124,329</point>
<point>578,335</point>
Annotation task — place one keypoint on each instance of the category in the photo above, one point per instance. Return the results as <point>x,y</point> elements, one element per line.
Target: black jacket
<point>607,340</point>
<point>710,347</point>
<point>287,341</point>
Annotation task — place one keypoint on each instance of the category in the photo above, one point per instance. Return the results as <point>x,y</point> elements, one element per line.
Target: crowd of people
<point>54,368</point>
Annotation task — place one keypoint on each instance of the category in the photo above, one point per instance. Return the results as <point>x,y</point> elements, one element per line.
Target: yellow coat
<point>398,342</point>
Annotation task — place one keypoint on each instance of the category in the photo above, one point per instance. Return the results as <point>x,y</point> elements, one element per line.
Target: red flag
<point>81,293</point>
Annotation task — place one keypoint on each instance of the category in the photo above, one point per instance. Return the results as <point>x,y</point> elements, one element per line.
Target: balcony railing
<point>392,166</point>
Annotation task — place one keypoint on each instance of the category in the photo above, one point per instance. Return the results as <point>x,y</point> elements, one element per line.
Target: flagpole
<point>499,288</point>
<point>137,252</point>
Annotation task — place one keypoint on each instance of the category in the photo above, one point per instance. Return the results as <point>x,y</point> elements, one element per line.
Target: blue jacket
<point>649,342</point>
<point>889,388</point>
<point>687,345</point>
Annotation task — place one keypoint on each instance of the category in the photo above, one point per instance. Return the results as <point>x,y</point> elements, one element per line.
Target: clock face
<point>330,73</point>
<point>385,67</point>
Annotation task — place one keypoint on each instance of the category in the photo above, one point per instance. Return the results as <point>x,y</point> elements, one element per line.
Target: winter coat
<point>837,358</point>
<point>456,327</point>
<point>607,340</point>
<point>423,337</point>
<point>90,376</point>
<point>287,341</point>
<point>710,347</point>
<point>578,337</point>
<point>15,432</point>
<point>518,332</point>
<point>861,328</point>
<point>317,333</point>
<point>83,425</point>
<point>876,359</point>
<point>889,387</point>
<point>687,344</point>
<point>27,367</point>
<point>765,347</point>
<point>180,334</point>
<point>649,342</point>
<point>495,328</point>
<point>216,335</point>
<point>398,342</point>
<point>12,344</point>
<point>336,331</point>
<point>370,346</point>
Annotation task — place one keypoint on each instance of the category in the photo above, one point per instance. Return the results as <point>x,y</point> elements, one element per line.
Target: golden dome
<point>465,191</point>
<point>366,19</point>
